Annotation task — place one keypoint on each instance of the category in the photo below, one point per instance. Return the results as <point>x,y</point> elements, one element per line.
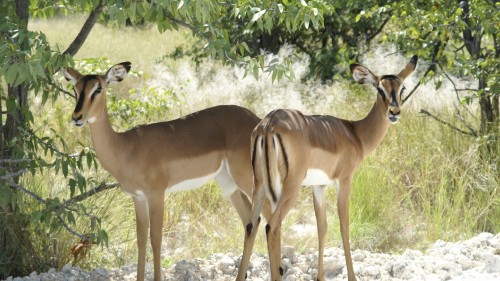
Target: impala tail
<point>270,163</point>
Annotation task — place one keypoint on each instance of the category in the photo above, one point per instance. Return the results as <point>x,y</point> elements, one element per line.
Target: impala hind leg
<point>142,226</point>
<point>322,226</point>
<point>343,210</point>
<point>156,209</point>
<point>251,228</point>
<point>273,228</point>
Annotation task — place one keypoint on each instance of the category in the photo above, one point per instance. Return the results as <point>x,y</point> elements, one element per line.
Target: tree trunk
<point>13,237</point>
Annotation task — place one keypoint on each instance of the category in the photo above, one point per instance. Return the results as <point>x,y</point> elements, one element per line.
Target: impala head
<point>389,87</point>
<point>90,91</point>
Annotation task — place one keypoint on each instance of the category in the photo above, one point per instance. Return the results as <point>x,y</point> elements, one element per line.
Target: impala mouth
<point>78,123</point>
<point>393,118</point>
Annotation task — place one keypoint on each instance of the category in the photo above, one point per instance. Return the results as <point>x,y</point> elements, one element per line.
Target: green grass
<point>424,182</point>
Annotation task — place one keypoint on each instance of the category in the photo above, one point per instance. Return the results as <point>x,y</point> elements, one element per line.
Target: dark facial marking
<point>394,100</point>
<point>389,77</point>
<point>95,93</point>
<point>81,98</point>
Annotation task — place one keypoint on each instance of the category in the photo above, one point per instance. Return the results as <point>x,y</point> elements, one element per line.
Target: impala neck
<point>106,141</point>
<point>372,129</point>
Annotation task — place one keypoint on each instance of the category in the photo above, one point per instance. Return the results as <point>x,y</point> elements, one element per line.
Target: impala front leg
<point>321,224</point>
<point>156,209</point>
<point>343,210</point>
<point>142,226</point>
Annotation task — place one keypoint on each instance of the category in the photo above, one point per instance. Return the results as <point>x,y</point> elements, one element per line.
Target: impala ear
<point>409,68</point>
<point>363,75</point>
<point>118,72</point>
<point>71,75</point>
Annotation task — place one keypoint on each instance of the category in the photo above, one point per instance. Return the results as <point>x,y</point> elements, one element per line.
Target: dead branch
<point>427,113</point>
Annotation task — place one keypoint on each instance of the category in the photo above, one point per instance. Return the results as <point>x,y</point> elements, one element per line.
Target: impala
<point>290,149</point>
<point>182,154</point>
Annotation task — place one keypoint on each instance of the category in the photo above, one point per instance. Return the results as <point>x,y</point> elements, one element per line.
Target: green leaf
<point>257,15</point>
<point>12,73</point>
<point>280,8</point>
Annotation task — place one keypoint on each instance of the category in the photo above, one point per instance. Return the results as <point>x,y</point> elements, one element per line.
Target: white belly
<point>194,182</point>
<point>317,177</point>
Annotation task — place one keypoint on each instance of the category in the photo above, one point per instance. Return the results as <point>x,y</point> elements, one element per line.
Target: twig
<point>4,161</point>
<point>179,22</point>
<point>423,111</point>
<point>456,92</point>
<point>15,174</point>
<point>25,190</point>
<point>71,230</point>
<point>100,188</point>
<point>61,89</point>
<point>432,67</point>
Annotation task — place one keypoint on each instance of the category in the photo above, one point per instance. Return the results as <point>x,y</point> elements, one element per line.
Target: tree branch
<point>371,36</point>
<point>12,175</point>
<point>71,230</point>
<point>84,32</point>
<point>456,91</point>
<point>427,113</point>
<point>179,22</point>
<point>4,161</point>
<point>100,188</point>
<point>432,67</point>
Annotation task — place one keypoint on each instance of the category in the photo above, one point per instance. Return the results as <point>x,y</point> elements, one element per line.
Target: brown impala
<point>152,159</point>
<point>290,149</point>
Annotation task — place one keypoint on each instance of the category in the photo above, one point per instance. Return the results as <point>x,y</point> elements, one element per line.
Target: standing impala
<point>152,159</point>
<point>290,149</point>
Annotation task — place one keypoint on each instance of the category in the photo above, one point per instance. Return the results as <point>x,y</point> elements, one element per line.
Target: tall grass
<point>424,182</point>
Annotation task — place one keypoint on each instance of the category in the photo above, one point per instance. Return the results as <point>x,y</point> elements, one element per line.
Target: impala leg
<point>273,234</point>
<point>142,226</point>
<point>156,210</point>
<point>343,210</point>
<point>321,224</point>
<point>251,230</point>
<point>273,229</point>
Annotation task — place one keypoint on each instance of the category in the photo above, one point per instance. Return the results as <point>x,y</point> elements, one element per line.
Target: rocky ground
<point>474,259</point>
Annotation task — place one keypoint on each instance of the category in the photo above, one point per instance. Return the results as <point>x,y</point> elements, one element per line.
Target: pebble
<point>475,259</point>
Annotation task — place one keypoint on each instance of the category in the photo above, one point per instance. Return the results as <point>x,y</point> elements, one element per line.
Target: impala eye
<point>381,92</point>
<point>95,93</point>
<point>402,91</point>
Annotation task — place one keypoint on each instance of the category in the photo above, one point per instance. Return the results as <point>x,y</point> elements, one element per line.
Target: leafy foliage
<point>461,38</point>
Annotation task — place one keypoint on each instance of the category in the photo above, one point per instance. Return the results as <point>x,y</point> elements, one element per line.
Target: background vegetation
<point>435,176</point>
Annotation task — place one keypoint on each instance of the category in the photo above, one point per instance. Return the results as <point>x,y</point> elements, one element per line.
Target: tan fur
<point>321,142</point>
<point>150,159</point>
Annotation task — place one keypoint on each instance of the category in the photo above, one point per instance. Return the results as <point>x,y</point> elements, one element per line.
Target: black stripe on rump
<point>253,153</point>
<point>285,156</point>
<point>271,190</point>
